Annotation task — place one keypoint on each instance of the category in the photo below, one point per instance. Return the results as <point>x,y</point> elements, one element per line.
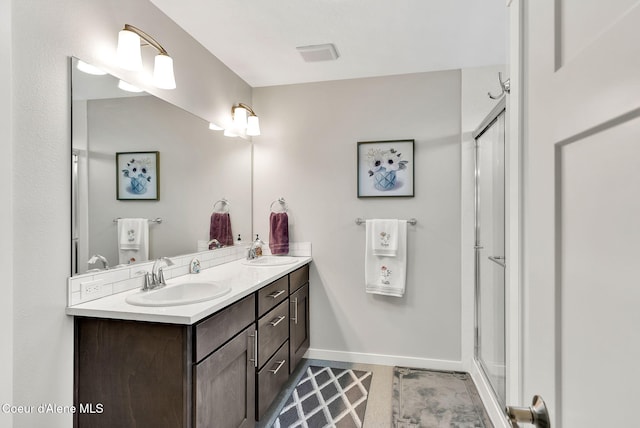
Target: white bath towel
<point>383,235</point>
<point>386,275</point>
<point>133,240</point>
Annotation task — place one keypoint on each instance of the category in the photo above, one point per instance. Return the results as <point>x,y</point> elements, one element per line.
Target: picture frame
<point>138,176</point>
<point>386,168</point>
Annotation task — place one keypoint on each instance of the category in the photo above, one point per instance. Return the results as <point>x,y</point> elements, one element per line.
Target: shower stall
<point>490,260</point>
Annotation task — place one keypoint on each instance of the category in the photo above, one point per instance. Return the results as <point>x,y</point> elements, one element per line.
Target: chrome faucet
<point>96,258</point>
<point>214,241</point>
<point>253,252</point>
<point>157,275</point>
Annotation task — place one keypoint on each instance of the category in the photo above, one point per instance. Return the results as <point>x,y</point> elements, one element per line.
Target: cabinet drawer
<point>272,378</point>
<point>298,278</point>
<point>273,330</point>
<point>219,328</point>
<point>271,295</point>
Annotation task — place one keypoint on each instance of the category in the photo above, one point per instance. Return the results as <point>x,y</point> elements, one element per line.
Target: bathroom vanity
<point>149,367</point>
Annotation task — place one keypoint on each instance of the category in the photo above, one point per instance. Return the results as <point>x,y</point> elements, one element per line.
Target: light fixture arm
<point>244,106</point>
<point>150,40</point>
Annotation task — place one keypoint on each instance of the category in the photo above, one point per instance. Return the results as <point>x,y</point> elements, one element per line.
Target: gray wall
<point>307,154</point>
<point>44,35</point>
<point>6,213</point>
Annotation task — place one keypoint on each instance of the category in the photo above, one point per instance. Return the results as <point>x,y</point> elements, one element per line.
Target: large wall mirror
<point>197,168</point>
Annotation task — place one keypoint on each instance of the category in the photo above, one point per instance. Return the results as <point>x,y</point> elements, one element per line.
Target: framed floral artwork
<point>138,176</point>
<point>385,168</point>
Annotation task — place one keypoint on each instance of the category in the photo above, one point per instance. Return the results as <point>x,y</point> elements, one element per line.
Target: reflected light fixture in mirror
<point>245,121</point>
<point>128,87</point>
<point>130,57</point>
<point>89,69</point>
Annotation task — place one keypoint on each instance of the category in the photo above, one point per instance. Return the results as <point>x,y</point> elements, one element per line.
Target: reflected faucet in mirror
<point>99,258</point>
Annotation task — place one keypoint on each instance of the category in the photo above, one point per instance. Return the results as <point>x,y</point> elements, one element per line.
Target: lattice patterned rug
<point>327,397</point>
<point>434,399</point>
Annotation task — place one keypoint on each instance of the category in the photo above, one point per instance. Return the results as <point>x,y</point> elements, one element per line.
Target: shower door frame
<point>492,119</point>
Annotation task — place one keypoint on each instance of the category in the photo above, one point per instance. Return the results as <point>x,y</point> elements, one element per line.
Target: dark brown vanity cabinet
<point>223,371</point>
<point>299,320</point>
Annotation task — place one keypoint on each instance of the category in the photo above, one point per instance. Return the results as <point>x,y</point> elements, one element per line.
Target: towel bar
<point>150,220</point>
<point>411,221</point>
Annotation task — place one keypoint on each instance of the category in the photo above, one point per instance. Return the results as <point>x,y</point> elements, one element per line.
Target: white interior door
<point>581,178</point>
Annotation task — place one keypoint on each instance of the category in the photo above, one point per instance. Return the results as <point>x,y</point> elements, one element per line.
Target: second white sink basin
<point>180,294</point>
<point>270,261</point>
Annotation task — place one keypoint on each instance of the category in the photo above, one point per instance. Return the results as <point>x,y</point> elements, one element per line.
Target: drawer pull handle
<point>254,360</point>
<point>295,311</point>
<point>280,364</point>
<point>276,294</point>
<point>277,321</point>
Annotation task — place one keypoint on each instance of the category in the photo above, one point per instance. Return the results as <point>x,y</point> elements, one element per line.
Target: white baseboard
<point>384,360</point>
<point>494,409</point>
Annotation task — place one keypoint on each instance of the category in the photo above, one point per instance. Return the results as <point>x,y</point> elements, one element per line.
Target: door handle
<point>498,260</point>
<point>295,312</point>
<point>254,360</point>
<point>537,414</point>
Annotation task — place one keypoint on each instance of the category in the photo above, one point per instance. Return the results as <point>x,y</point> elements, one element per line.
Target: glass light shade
<point>214,127</point>
<point>253,125</point>
<point>128,87</point>
<point>240,117</point>
<point>163,77</point>
<point>129,55</point>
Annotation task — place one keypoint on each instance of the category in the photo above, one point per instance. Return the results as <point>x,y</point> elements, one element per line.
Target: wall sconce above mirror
<point>129,56</point>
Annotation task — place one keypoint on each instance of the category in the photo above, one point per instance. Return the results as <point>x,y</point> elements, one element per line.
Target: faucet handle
<point>148,279</point>
<point>160,279</point>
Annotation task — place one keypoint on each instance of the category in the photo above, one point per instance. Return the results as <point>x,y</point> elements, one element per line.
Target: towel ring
<point>224,203</point>
<point>283,205</point>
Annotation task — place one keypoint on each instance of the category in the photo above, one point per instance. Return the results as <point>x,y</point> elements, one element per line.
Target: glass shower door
<point>490,255</point>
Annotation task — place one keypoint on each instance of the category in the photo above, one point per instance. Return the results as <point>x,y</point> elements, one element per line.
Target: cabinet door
<point>299,325</point>
<point>225,384</point>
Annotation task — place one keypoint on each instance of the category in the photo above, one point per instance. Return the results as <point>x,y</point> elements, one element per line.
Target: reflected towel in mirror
<point>220,229</point>
<point>133,240</point>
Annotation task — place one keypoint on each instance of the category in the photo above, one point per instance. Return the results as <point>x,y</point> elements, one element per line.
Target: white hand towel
<point>387,275</point>
<point>133,240</point>
<point>384,236</point>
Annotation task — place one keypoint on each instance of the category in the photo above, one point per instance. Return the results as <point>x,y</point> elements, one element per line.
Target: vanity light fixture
<point>245,121</point>
<point>130,56</point>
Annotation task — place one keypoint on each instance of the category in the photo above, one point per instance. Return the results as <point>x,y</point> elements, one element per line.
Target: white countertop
<point>242,279</point>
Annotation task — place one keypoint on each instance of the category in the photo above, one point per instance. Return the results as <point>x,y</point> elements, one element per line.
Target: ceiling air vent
<point>315,53</point>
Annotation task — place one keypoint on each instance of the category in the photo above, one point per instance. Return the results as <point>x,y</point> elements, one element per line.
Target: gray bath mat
<point>327,397</point>
<point>435,399</point>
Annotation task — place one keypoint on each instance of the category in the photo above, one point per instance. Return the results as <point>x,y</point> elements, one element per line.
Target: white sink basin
<point>270,261</point>
<point>179,294</point>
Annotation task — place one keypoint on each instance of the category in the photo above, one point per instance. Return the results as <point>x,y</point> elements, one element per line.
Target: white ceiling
<point>257,39</point>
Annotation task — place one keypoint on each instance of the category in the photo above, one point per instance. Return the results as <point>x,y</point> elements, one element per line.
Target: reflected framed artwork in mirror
<point>138,176</point>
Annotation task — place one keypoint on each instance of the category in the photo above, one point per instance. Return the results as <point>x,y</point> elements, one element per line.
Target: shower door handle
<point>499,260</point>
<point>536,415</point>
